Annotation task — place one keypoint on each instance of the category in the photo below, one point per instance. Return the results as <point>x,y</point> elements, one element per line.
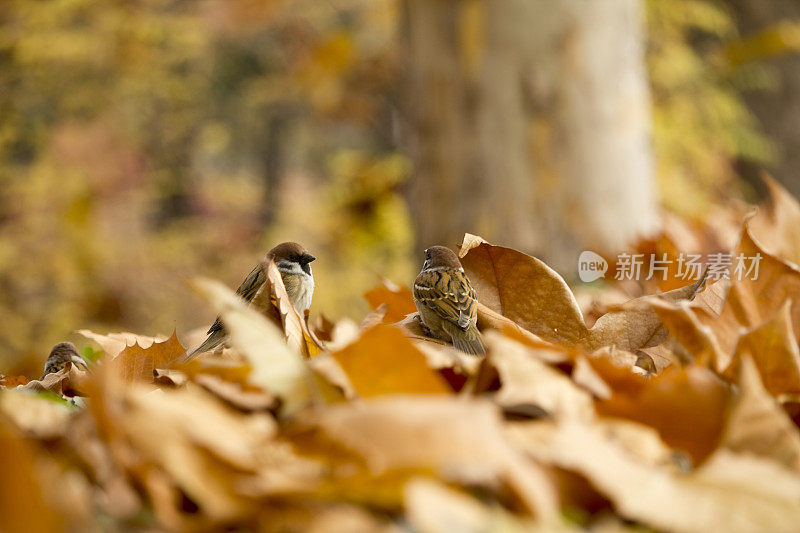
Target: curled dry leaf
<point>535,297</point>
<point>273,295</point>
<point>526,380</point>
<point>523,289</point>
<point>760,315</point>
<point>275,367</point>
<point>69,381</point>
<point>235,395</point>
<point>174,378</point>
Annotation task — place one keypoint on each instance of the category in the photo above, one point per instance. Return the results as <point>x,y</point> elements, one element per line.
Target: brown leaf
<point>636,325</point>
<point>686,406</point>
<point>22,506</point>
<point>456,439</point>
<point>235,395</point>
<point>172,378</point>
<point>730,492</point>
<point>750,303</point>
<point>433,507</point>
<point>114,343</point>
<point>773,348</point>
<point>531,294</point>
<point>523,289</point>
<point>777,227</point>
<point>135,363</point>
<point>203,446</point>
<point>36,416</point>
<point>69,381</point>
<point>398,300</point>
<point>526,380</point>
<point>758,424</point>
<point>13,381</point>
<point>384,361</point>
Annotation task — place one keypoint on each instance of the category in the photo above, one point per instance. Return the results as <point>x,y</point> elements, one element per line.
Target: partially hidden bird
<point>62,353</point>
<point>294,264</point>
<point>446,301</point>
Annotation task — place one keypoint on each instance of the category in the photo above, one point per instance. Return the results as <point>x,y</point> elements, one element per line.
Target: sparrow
<point>294,264</point>
<point>446,301</point>
<point>59,356</point>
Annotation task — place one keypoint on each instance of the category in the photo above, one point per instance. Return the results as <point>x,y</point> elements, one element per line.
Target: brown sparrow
<point>446,301</point>
<point>59,355</point>
<point>293,262</point>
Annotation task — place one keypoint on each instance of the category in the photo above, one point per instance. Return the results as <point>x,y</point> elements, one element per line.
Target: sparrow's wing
<point>449,294</point>
<point>247,290</point>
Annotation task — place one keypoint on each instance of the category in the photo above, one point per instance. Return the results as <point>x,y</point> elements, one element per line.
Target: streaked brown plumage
<point>446,301</point>
<point>293,262</point>
<point>61,353</point>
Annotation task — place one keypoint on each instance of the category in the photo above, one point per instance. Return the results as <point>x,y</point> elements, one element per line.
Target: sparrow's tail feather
<point>469,341</point>
<point>213,340</point>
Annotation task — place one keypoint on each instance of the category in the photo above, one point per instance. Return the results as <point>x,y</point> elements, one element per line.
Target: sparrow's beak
<point>307,258</point>
<point>78,360</point>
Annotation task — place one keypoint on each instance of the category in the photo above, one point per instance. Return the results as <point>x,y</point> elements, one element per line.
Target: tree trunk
<point>546,147</point>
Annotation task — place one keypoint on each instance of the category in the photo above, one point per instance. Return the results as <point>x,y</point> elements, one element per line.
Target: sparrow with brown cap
<point>293,262</point>
<point>446,301</point>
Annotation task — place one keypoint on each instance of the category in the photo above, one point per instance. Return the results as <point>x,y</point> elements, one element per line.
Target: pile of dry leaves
<point>677,412</point>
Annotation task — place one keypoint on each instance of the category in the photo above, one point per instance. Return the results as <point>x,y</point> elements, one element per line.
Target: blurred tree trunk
<point>540,139</point>
<point>778,109</point>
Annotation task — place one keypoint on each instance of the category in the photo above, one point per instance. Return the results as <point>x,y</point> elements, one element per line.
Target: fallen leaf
<point>398,300</point>
<point>686,406</point>
<point>730,492</point>
<point>433,507</point>
<point>37,416</point>
<point>535,297</point>
<point>114,343</point>
<point>273,295</point>
<point>373,369</point>
<point>235,395</point>
<point>22,504</point>
<point>758,424</point>
<point>525,379</point>
<point>135,363</point>
<point>458,439</point>
<point>773,348</point>
<point>523,289</point>
<point>777,226</point>
<point>636,325</point>
<point>13,381</point>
